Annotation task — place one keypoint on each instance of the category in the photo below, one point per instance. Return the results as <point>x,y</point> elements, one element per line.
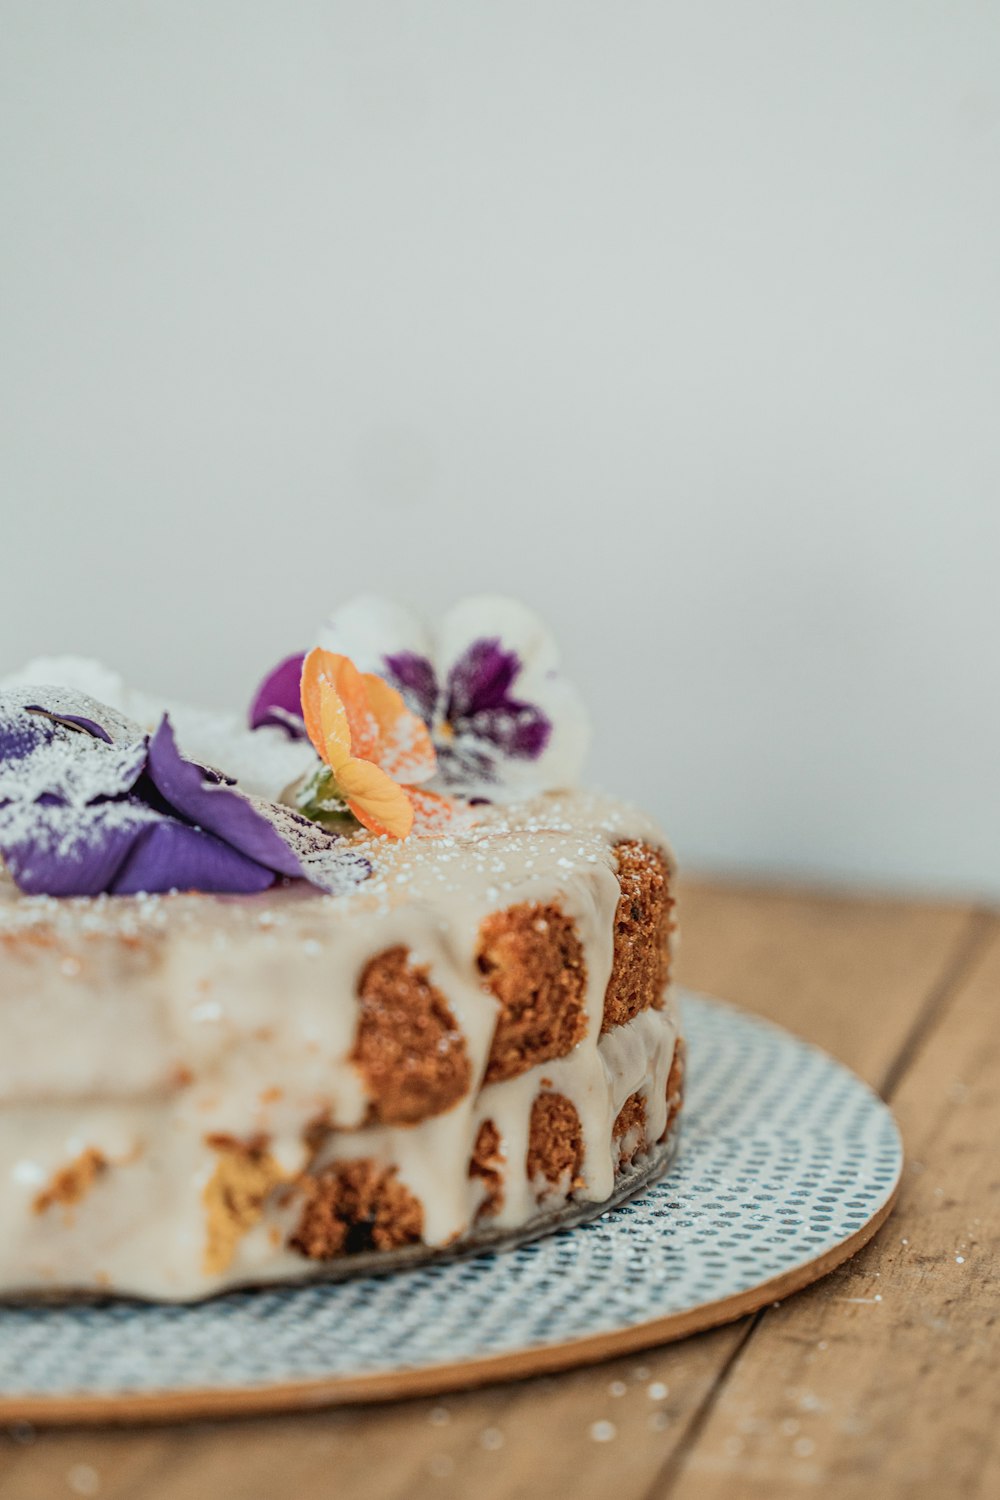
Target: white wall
<point>680,321</point>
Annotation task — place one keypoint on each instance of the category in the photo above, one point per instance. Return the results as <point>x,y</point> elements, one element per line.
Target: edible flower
<point>486,682</point>
<point>277,703</point>
<point>91,805</point>
<point>374,750</point>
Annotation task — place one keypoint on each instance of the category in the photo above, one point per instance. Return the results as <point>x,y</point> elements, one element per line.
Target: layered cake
<point>369,975</point>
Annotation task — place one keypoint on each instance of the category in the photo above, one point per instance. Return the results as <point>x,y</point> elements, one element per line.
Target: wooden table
<point>880,1381</point>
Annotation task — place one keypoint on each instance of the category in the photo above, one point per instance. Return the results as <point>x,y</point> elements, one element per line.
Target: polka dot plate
<point>787,1165</point>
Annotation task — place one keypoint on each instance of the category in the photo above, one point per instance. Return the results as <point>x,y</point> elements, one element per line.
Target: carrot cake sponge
<point>370,973</point>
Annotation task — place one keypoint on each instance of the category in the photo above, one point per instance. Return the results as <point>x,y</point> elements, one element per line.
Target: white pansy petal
<point>487,616</point>
<point>368,628</point>
<point>476,636</point>
<point>561,762</point>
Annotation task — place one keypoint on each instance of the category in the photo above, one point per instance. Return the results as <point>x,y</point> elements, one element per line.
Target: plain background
<point>682,322</point>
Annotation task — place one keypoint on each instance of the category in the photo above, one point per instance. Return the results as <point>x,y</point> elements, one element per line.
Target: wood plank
<point>882,1380</point>
<point>488,1441</point>
<point>852,975</point>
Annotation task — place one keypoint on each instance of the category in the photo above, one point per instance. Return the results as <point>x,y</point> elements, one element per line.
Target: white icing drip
<point>597,1081</point>
<point>141,1026</point>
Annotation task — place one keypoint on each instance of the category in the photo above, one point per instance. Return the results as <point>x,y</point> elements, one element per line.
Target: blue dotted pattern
<point>784,1154</point>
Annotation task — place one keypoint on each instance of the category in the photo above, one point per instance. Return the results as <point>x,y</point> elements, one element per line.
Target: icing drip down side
<point>227,1101</point>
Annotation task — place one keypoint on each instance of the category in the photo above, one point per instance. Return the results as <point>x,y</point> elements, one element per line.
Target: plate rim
<point>218,1402</point>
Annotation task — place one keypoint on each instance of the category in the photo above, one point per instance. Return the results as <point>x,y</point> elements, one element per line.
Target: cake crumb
<point>629,1130</point>
<point>487,1165</point>
<point>555,1145</point>
<point>73,1182</point>
<point>531,960</point>
<point>640,968</point>
<point>408,1047</point>
<point>352,1206</point>
<point>234,1196</point>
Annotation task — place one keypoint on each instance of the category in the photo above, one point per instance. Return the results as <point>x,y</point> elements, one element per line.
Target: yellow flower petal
<point>322,709</point>
<point>361,718</point>
<point>406,751</point>
<point>375,799</point>
<point>336,749</point>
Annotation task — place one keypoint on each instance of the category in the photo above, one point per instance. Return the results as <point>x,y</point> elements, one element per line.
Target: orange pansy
<point>375,747</point>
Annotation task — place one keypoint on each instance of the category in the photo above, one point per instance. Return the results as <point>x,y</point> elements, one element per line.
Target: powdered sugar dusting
<point>332,862</point>
<point>60,700</point>
<point>69,833</point>
<point>72,765</point>
<point>103,807</point>
<point>507,848</point>
<point>264,762</point>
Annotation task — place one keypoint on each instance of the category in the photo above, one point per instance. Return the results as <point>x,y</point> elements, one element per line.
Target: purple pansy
<point>486,681</point>
<point>88,804</point>
<point>206,800</point>
<point>278,700</point>
<point>503,719</point>
<point>479,723</point>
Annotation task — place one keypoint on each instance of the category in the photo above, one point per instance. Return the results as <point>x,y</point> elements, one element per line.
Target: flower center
<point>444,732</point>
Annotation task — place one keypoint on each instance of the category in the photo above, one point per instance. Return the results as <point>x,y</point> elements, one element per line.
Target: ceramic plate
<point>787,1164</point>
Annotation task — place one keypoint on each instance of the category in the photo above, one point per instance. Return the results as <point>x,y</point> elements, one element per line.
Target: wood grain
<point>883,1379</point>
<point>878,982</point>
<point>852,975</point>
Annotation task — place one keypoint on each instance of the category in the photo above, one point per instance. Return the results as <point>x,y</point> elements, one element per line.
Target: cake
<point>329,1041</point>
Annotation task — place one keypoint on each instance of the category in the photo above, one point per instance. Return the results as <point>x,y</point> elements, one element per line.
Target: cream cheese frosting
<point>141,1031</point>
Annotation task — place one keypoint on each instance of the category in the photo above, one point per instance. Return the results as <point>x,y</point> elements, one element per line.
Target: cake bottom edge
<point>644,1172</point>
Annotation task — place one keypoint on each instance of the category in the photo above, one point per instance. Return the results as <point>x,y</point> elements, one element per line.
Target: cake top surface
<point>486,865</point>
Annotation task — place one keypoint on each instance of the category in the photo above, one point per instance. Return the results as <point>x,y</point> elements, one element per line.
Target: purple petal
<point>413,675</point>
<point>461,764</point>
<point>21,733</point>
<point>81,815</point>
<point>168,855</point>
<point>41,757</point>
<point>198,796</point>
<point>480,679</point>
<point>74,721</point>
<point>328,860</point>
<point>67,707</point>
<point>480,706</point>
<point>278,700</point>
<point>54,850</point>
<point>518,730</point>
